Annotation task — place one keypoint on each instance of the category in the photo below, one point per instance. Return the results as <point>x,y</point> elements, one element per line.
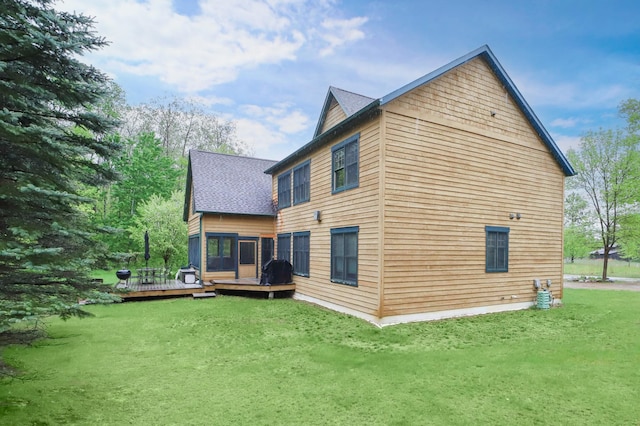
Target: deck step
<point>202,295</point>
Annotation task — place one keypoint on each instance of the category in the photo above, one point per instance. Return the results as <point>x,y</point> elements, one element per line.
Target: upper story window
<point>497,249</point>
<point>284,190</point>
<point>301,183</point>
<point>344,164</point>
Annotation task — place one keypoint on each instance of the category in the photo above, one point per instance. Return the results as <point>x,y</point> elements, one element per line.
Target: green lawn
<point>593,268</point>
<point>244,361</point>
<point>108,277</point>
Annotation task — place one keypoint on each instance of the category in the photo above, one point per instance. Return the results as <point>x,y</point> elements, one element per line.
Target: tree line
<point>154,140</point>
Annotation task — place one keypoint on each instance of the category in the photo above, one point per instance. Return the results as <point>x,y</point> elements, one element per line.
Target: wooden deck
<point>252,285</point>
<point>133,290</point>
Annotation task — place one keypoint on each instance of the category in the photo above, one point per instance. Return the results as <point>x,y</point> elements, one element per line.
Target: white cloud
<point>341,31</point>
<point>565,142</point>
<point>569,94</point>
<point>193,53</point>
<point>273,131</point>
<point>264,141</point>
<point>280,116</point>
<point>565,122</point>
<point>210,100</point>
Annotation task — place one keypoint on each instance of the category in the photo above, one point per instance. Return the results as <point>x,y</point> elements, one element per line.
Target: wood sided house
<point>440,199</point>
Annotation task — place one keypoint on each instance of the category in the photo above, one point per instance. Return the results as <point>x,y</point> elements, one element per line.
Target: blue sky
<point>267,64</point>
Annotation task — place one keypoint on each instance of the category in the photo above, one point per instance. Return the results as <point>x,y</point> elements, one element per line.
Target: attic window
<point>345,162</point>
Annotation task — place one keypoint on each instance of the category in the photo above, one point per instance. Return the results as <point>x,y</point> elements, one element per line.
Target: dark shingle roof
<point>229,184</point>
<point>349,102</point>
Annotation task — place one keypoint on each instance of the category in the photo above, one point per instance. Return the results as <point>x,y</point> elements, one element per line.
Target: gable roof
<point>228,184</point>
<point>349,102</point>
<point>365,111</point>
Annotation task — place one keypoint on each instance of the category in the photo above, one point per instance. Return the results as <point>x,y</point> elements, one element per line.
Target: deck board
<point>134,290</point>
<point>252,284</point>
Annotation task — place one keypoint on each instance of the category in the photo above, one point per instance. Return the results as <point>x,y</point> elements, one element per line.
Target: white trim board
<point>427,316</point>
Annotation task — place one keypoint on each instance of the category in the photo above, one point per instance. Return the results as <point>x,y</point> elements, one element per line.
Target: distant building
<point>614,253</point>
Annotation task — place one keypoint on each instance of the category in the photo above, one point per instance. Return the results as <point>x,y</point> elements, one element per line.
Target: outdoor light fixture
<point>316,215</point>
<point>518,216</point>
<point>512,215</point>
<point>536,283</point>
<point>548,283</point>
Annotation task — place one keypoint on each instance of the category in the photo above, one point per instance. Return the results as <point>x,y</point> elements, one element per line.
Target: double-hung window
<point>344,164</point>
<point>301,178</point>
<point>497,243</point>
<point>344,255</point>
<point>301,253</point>
<point>284,190</point>
<point>221,252</point>
<point>284,247</point>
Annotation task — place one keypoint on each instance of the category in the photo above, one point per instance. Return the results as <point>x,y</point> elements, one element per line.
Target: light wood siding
<point>193,221</point>
<point>354,207</point>
<point>334,116</point>
<point>450,170</point>
<point>244,226</point>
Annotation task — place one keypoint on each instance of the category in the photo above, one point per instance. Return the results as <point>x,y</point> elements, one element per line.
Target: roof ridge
<point>351,92</point>
<point>231,155</point>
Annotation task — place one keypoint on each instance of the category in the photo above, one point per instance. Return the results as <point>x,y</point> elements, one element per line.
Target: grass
<point>108,277</point>
<point>235,360</point>
<point>593,268</point>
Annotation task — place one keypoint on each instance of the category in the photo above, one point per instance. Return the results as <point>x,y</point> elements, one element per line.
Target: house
<point>230,215</point>
<point>443,198</point>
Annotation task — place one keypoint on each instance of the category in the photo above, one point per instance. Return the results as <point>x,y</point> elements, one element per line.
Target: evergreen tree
<point>51,144</point>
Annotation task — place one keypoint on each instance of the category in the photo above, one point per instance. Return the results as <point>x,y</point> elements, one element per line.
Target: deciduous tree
<point>607,173</point>
<point>578,235</point>
<point>181,124</point>
<point>162,218</point>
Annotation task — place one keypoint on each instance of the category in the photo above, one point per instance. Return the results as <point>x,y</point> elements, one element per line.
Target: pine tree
<point>52,142</point>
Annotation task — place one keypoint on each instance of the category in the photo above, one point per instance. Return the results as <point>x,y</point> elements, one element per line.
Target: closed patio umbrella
<point>146,248</point>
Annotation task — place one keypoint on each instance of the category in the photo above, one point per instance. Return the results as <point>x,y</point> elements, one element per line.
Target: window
<point>284,190</point>
<point>267,250</point>
<point>284,247</point>
<point>344,164</point>
<point>247,253</point>
<point>497,249</point>
<point>301,178</point>
<point>194,251</point>
<point>344,255</point>
<point>301,253</point>
<point>221,252</point>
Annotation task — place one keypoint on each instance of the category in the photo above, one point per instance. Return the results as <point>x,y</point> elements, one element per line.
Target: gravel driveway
<point>628,284</point>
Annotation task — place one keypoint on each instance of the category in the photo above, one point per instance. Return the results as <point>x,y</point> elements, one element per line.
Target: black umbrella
<point>146,248</point>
